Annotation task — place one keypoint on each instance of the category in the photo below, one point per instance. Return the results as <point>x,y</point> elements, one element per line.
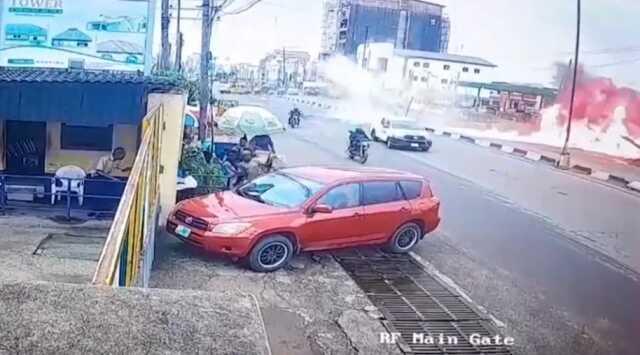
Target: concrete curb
<point>604,176</point>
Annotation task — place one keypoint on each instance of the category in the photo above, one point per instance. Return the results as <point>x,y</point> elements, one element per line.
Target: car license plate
<point>415,145</point>
<point>183,231</point>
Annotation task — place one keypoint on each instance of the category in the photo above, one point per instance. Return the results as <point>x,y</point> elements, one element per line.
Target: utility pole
<point>179,40</point>
<point>364,48</point>
<point>165,52</point>
<point>284,68</point>
<point>209,11</point>
<point>565,159</point>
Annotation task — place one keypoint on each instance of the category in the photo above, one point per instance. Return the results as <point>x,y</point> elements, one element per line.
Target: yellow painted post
<point>135,217</point>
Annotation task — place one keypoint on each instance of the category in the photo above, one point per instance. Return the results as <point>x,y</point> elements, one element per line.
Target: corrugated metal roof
<point>8,75</point>
<point>445,57</point>
<point>73,34</point>
<point>27,29</point>
<point>502,86</point>
<point>117,46</point>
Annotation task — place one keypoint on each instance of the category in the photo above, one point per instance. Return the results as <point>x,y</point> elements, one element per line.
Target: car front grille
<point>191,221</point>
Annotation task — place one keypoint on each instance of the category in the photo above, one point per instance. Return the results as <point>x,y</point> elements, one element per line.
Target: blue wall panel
<point>423,33</point>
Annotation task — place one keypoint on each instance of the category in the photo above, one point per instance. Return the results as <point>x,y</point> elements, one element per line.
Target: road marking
<point>600,175</point>
<point>507,149</point>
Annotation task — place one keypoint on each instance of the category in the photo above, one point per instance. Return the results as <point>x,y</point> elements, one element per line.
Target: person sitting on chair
<point>111,164</point>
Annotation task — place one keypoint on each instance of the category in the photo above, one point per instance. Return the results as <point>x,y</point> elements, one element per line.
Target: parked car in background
<point>268,220</point>
<point>224,88</point>
<point>293,92</point>
<point>399,132</point>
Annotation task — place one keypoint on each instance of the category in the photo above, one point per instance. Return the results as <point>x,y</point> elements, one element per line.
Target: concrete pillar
<point>170,147</point>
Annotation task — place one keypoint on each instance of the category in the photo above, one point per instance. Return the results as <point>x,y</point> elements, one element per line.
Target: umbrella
<point>250,120</point>
<point>190,121</point>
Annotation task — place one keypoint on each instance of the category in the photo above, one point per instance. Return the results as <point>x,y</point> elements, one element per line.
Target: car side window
<point>343,196</point>
<point>412,189</point>
<point>381,192</point>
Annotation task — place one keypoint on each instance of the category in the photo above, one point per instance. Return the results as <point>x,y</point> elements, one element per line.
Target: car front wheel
<point>404,239</point>
<point>270,254</point>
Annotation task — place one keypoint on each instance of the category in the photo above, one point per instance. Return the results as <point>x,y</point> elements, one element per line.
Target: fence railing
<point>73,197</point>
<point>127,255</point>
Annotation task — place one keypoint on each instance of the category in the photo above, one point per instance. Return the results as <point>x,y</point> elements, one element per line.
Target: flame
<point>605,118</point>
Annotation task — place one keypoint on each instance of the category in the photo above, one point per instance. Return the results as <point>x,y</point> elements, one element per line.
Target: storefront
<point>52,119</point>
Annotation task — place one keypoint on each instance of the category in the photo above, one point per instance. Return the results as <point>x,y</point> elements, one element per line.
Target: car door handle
<point>404,209</point>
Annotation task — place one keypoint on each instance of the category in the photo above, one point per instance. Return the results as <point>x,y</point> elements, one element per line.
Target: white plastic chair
<point>60,183</point>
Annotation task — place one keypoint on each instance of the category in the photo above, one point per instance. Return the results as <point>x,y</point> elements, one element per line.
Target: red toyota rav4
<point>309,208</point>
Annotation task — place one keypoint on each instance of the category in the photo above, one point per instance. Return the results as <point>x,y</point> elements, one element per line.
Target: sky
<point>523,37</point>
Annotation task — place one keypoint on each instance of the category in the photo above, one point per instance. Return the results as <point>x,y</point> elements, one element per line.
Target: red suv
<point>309,208</point>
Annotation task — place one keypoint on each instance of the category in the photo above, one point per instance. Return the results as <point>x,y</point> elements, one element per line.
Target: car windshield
<point>405,125</point>
<point>279,189</point>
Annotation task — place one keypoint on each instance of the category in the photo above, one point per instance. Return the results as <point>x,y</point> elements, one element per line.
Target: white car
<point>293,92</point>
<point>400,133</point>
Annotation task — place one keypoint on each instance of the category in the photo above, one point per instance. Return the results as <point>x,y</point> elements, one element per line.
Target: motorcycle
<point>294,119</point>
<point>359,151</point>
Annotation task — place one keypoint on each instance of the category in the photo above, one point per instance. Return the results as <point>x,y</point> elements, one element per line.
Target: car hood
<point>408,132</point>
<point>227,205</point>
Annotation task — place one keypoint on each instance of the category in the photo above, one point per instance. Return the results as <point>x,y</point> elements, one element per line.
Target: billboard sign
<point>97,34</point>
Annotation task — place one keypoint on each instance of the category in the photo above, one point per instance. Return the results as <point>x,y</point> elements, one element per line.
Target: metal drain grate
<point>413,302</point>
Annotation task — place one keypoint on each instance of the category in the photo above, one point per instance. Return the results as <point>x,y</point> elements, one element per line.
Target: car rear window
<point>381,192</point>
<point>412,189</point>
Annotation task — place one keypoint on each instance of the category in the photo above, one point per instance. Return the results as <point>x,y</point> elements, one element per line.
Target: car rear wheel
<point>389,144</point>
<point>404,239</point>
<point>270,254</point>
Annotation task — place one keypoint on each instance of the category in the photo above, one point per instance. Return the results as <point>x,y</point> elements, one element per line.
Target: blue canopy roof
<point>77,96</point>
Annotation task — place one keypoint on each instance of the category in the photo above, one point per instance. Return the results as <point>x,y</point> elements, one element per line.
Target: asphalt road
<point>511,236</point>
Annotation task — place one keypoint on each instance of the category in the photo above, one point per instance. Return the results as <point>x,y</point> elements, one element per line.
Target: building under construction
<point>409,24</point>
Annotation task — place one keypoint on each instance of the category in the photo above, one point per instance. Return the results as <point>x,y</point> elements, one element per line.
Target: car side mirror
<point>321,209</point>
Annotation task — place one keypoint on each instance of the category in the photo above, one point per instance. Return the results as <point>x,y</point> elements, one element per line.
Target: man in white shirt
<point>111,164</point>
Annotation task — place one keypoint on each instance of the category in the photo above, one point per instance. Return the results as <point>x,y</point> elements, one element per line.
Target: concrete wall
<point>59,318</point>
<point>430,73</point>
<point>435,71</point>
<point>170,146</point>
<point>125,136</point>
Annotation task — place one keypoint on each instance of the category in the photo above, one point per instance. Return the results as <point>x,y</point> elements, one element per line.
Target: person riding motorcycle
<point>355,138</point>
<point>295,113</point>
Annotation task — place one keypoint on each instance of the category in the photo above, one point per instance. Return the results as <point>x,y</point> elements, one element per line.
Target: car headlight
<point>230,228</point>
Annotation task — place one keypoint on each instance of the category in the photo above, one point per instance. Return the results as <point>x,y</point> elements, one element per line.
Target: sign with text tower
<point>102,34</point>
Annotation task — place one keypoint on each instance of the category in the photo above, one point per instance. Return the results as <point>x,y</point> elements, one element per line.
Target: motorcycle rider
<point>295,113</point>
<point>355,138</point>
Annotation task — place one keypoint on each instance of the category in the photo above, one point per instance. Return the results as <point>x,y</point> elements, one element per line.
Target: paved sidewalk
<point>311,307</point>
